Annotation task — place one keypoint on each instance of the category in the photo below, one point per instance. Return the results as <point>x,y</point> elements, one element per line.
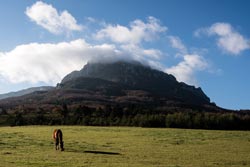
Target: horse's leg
<point>61,142</point>
<point>54,136</point>
<point>60,138</point>
<point>57,144</point>
<point>61,146</point>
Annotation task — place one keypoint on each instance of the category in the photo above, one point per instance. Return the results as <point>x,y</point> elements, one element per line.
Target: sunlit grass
<point>123,146</point>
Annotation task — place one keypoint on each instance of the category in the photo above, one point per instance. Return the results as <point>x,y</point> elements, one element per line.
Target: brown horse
<point>58,138</point>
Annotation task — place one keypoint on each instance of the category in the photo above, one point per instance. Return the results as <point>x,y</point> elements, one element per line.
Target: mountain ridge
<point>136,76</point>
<point>25,91</point>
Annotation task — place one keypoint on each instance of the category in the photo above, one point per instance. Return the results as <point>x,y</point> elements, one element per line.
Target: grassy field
<point>123,146</point>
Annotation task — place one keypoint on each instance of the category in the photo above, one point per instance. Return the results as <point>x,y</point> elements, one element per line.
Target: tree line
<point>130,116</point>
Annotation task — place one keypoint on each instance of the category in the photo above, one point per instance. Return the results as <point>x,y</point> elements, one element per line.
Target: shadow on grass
<point>93,152</point>
<point>102,152</point>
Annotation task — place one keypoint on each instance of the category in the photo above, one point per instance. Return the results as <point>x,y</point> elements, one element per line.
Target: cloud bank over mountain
<point>48,62</point>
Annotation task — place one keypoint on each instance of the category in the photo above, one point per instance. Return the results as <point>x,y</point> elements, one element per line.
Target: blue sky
<point>202,43</point>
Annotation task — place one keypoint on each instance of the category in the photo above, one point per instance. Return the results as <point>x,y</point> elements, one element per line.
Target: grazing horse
<point>58,138</point>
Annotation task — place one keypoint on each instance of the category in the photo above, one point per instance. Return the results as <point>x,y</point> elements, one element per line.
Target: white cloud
<point>229,40</point>
<point>137,31</point>
<point>49,63</point>
<point>177,44</point>
<point>221,29</point>
<point>91,19</point>
<point>185,70</point>
<point>139,53</point>
<point>49,18</point>
<point>129,39</point>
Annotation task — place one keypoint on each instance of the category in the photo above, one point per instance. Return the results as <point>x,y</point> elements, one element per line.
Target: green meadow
<point>123,147</point>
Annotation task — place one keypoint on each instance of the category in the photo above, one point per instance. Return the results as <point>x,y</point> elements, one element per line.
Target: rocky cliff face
<point>123,76</point>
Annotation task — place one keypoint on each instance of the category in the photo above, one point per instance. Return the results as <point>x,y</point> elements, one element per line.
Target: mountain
<point>118,83</point>
<point>119,93</point>
<point>25,91</point>
<point>121,76</point>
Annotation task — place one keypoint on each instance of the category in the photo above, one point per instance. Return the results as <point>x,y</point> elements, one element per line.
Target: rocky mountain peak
<point>136,76</point>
